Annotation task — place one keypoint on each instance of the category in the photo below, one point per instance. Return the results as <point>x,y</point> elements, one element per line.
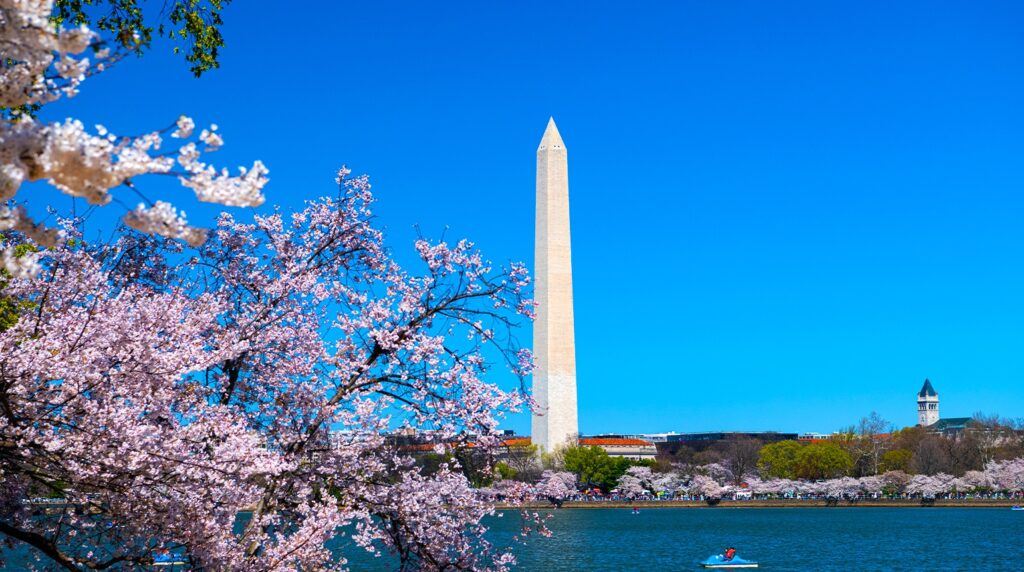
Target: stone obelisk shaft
<point>554,343</point>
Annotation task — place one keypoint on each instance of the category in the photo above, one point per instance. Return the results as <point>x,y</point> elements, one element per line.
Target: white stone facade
<point>927,405</point>
<point>554,344</point>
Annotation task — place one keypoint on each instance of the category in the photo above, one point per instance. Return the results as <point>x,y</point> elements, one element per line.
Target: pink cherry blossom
<point>163,391</point>
<point>556,485</point>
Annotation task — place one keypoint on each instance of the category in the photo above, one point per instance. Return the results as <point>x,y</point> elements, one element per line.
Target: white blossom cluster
<point>41,63</point>
<point>245,190</point>
<point>72,160</point>
<point>89,165</point>
<point>17,219</point>
<point>24,266</point>
<point>163,219</point>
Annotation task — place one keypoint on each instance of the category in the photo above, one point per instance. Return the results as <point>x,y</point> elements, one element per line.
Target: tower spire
<point>554,379</point>
<point>552,138</point>
<point>927,405</point>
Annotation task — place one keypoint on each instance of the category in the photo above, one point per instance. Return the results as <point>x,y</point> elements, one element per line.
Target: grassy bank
<point>786,503</point>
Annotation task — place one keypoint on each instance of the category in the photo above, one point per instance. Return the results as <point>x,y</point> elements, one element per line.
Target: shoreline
<point>776,503</point>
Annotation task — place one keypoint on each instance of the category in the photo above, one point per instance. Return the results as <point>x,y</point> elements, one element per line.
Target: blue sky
<point>785,215</point>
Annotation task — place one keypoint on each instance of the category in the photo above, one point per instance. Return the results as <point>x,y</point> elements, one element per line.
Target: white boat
<point>719,561</point>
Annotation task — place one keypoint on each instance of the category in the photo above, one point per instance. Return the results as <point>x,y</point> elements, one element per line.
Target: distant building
<point>674,442</point>
<point>928,414</point>
<point>706,439</point>
<point>619,446</point>
<point>927,405</point>
<point>952,426</point>
<point>653,437</point>
<point>813,437</point>
<point>614,445</point>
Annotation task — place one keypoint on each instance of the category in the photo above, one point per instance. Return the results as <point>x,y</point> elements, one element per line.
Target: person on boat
<point>730,552</point>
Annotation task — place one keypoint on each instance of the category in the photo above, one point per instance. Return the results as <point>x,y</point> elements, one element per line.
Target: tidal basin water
<point>779,539</point>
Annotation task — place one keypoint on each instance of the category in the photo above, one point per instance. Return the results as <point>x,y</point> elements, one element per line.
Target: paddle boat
<point>719,561</point>
<point>1017,507</point>
<point>168,558</point>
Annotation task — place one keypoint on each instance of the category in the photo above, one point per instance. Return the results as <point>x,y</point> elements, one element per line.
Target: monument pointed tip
<point>552,138</point>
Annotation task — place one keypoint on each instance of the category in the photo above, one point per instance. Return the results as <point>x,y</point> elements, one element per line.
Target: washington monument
<point>554,344</point>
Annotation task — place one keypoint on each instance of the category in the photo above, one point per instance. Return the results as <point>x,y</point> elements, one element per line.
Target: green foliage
<point>897,460</point>
<point>193,22</point>
<point>474,466</point>
<point>621,464</point>
<point>8,313</point>
<point>505,472</point>
<point>430,462</point>
<point>11,308</point>
<point>595,468</point>
<point>592,465</point>
<point>822,461</point>
<point>779,459</point>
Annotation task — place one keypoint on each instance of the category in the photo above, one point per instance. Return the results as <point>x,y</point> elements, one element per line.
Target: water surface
<point>779,538</point>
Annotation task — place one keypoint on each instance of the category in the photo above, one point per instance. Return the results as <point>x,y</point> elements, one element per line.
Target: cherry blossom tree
<point>811,488</point>
<point>635,482</point>
<point>896,481</point>
<point>972,480</point>
<point>771,487</point>
<point>44,62</point>
<point>1006,475</point>
<point>669,483</point>
<point>707,487</point>
<point>161,391</point>
<point>719,472</point>
<point>871,485</point>
<point>556,485</point>
<point>842,487</point>
<point>930,486</point>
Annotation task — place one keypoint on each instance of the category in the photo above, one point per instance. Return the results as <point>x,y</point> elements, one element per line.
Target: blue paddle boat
<point>719,561</point>
<point>167,558</point>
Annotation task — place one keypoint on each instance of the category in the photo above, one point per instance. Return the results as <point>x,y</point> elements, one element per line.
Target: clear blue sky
<point>785,214</point>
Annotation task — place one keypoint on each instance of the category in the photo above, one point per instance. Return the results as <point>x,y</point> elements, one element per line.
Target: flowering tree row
<point>714,481</point>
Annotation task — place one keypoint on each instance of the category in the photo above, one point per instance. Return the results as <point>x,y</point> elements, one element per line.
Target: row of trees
<point>875,446</point>
<point>716,481</point>
<point>591,466</point>
<point>869,457</point>
<point>795,460</point>
<point>870,448</point>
